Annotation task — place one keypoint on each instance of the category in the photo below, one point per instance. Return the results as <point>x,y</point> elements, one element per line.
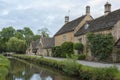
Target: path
<point>92,64</point>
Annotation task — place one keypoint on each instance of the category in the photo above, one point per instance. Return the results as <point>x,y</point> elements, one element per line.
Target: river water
<point>22,70</point>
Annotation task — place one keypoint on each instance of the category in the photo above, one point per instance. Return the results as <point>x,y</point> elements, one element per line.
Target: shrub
<point>67,49</point>
<point>56,51</point>
<point>101,45</point>
<point>71,66</point>
<point>79,47</point>
<point>80,56</point>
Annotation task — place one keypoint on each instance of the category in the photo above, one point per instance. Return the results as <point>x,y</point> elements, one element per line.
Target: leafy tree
<point>35,37</point>
<point>6,33</point>
<point>16,45</point>
<point>19,35</point>
<point>28,34</point>
<point>44,32</point>
<point>2,46</point>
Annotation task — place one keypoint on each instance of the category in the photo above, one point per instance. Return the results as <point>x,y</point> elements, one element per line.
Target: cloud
<point>5,12</point>
<point>47,13</point>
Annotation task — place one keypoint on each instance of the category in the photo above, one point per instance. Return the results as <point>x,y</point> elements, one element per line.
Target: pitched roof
<point>70,26</point>
<point>35,44</point>
<point>47,42</point>
<point>101,23</point>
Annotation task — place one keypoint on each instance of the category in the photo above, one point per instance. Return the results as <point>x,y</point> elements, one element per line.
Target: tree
<point>36,37</point>
<point>19,35</point>
<point>44,32</point>
<point>28,34</point>
<point>6,33</point>
<point>16,45</point>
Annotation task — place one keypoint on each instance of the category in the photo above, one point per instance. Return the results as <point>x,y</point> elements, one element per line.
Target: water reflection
<point>24,71</point>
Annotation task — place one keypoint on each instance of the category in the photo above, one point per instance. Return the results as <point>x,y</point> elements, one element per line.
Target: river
<point>22,70</point>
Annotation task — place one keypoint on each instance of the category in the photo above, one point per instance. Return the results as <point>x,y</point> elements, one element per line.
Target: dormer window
<point>86,26</point>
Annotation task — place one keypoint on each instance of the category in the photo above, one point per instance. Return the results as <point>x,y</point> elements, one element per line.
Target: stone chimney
<point>66,19</point>
<point>87,10</point>
<point>107,8</point>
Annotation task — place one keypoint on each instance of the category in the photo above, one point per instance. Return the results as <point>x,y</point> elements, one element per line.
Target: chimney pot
<point>66,19</point>
<point>87,10</point>
<point>107,8</point>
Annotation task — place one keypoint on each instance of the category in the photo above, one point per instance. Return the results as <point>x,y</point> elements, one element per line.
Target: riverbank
<point>26,70</point>
<point>4,67</point>
<point>72,68</point>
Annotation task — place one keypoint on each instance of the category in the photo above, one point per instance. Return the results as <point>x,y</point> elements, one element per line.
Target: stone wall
<point>116,31</point>
<point>60,38</point>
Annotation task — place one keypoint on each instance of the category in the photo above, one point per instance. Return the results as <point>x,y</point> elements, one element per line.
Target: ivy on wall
<point>101,45</point>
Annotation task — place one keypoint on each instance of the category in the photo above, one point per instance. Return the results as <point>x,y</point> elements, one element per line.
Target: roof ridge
<point>68,27</point>
<point>77,18</point>
<point>101,23</point>
<point>105,15</point>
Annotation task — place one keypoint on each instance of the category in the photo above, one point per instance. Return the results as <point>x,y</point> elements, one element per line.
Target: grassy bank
<point>4,67</point>
<point>72,68</point>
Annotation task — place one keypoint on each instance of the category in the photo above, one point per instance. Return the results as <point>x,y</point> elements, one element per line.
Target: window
<point>64,37</point>
<point>86,26</point>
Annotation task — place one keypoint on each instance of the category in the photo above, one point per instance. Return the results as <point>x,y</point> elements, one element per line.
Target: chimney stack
<point>87,10</point>
<point>107,8</point>
<point>66,19</point>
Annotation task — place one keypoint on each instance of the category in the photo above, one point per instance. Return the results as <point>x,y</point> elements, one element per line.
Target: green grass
<point>4,67</point>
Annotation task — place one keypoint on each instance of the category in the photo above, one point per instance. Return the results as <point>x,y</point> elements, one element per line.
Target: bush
<point>56,51</point>
<point>79,47</point>
<point>67,49</point>
<point>71,66</point>
<point>81,57</point>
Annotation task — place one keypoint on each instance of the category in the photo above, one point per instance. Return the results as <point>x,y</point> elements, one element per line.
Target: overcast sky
<point>38,14</point>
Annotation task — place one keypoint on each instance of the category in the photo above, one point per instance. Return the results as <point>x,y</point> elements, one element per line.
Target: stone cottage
<point>108,23</point>
<point>42,46</point>
<point>66,33</point>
